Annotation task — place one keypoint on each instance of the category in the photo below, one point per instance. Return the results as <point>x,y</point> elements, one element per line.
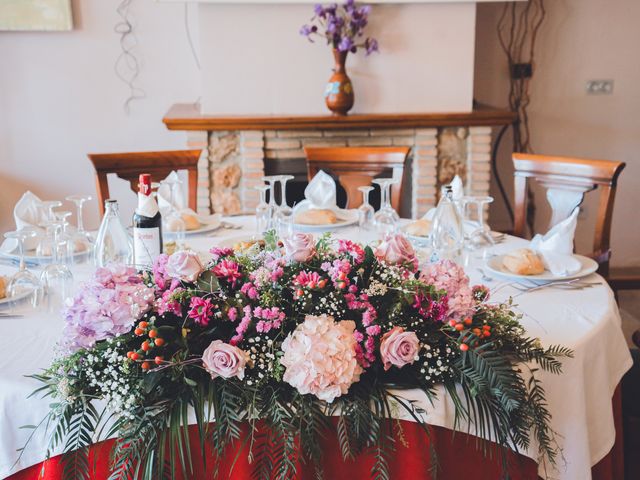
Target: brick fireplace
<point>238,151</point>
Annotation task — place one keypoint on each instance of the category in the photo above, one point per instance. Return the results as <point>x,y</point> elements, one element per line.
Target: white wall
<point>60,98</point>
<point>580,40</point>
<point>255,61</point>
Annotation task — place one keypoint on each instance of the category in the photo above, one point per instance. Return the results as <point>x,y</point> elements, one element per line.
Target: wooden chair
<point>567,180</point>
<point>159,164</point>
<point>358,166</point>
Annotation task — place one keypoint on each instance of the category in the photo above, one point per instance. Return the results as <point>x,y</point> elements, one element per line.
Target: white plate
<point>15,298</point>
<point>345,218</point>
<point>494,265</point>
<point>34,260</point>
<point>209,226</point>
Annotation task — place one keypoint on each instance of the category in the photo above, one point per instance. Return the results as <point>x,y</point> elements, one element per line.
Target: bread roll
<point>3,287</point>
<point>523,262</point>
<point>419,228</point>
<point>316,217</point>
<point>191,222</point>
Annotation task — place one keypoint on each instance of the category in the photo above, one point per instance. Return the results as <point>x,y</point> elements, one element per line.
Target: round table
<point>585,320</point>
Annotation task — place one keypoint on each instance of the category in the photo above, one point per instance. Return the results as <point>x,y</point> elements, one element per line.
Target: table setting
<point>262,331</point>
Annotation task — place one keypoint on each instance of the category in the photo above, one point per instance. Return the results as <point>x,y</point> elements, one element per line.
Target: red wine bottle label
<point>146,246</point>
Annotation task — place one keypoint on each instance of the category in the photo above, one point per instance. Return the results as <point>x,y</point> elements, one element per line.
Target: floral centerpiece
<point>288,334</point>
<point>342,26</point>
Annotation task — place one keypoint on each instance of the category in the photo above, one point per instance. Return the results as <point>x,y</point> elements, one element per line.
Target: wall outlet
<point>599,87</point>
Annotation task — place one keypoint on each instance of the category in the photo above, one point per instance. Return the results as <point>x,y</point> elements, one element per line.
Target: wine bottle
<point>147,225</point>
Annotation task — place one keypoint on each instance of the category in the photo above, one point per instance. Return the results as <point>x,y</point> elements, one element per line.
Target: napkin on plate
<point>319,194</point>
<point>164,195</point>
<point>28,212</point>
<point>458,192</point>
<point>556,247</point>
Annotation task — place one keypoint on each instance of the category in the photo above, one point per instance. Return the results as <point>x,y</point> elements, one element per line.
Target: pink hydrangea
<point>450,277</point>
<point>320,357</point>
<point>167,304</point>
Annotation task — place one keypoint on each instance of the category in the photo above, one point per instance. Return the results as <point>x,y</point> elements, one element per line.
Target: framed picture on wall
<point>36,15</point>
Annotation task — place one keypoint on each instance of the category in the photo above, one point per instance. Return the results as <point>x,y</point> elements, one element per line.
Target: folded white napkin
<point>319,194</point>
<point>28,212</point>
<point>457,191</point>
<point>556,246</point>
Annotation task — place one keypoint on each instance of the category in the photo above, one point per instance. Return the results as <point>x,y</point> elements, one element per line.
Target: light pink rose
<point>184,265</point>
<point>396,250</point>
<point>398,348</point>
<point>320,357</point>
<point>301,247</point>
<point>223,360</point>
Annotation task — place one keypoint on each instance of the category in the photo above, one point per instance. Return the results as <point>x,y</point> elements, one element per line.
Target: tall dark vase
<point>339,92</point>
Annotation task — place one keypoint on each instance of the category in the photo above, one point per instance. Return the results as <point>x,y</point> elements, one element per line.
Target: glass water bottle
<point>113,244</point>
<point>447,235</point>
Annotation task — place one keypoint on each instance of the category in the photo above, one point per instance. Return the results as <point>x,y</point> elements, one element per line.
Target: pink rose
<point>301,247</point>
<point>398,348</point>
<point>396,250</point>
<point>223,360</point>
<point>184,265</point>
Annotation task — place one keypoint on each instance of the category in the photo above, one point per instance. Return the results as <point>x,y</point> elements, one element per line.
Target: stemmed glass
<point>284,214</point>
<point>56,278</point>
<point>174,222</point>
<point>65,244</point>
<point>48,206</point>
<point>271,180</point>
<point>263,215</point>
<point>474,208</point>
<point>24,280</point>
<point>386,219</point>
<point>79,201</point>
<point>365,211</point>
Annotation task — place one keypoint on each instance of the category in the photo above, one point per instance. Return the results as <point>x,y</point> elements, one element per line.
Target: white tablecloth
<point>579,400</point>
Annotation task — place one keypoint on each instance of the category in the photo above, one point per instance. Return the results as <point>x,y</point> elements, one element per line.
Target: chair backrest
<point>567,180</point>
<point>358,166</point>
<point>159,164</point>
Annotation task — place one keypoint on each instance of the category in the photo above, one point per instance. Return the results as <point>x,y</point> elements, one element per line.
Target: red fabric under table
<point>457,455</point>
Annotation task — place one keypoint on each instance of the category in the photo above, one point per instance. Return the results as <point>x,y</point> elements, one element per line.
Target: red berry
<point>145,346</point>
<point>159,342</point>
<point>129,354</point>
<point>134,356</point>
<point>159,359</point>
<point>459,327</point>
<point>138,331</point>
<point>153,333</point>
<point>467,321</point>
<point>146,365</point>
<point>477,332</point>
<point>486,327</point>
<point>487,333</point>
<point>452,323</point>
<point>143,324</point>
<point>464,347</point>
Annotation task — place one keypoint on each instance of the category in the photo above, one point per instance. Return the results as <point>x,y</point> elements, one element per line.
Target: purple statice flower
<point>307,30</point>
<point>371,45</point>
<point>345,44</point>
<point>106,306</point>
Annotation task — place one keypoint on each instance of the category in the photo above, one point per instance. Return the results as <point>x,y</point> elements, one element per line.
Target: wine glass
<point>174,222</point>
<point>48,206</point>
<point>480,234</point>
<point>284,215</point>
<point>386,219</point>
<point>24,280</point>
<point>79,201</point>
<point>271,180</point>
<point>262,211</point>
<point>65,244</point>
<point>56,278</point>
<point>365,211</point>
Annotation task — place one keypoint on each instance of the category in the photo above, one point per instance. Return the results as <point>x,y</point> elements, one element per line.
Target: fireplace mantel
<point>187,116</point>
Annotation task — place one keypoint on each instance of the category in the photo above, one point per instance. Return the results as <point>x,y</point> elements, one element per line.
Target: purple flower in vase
<point>371,45</point>
<point>307,30</point>
<point>345,44</point>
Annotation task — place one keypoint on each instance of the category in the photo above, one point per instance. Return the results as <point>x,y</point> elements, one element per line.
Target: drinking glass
<point>174,223</point>
<point>447,235</point>
<point>480,234</point>
<point>48,206</point>
<point>262,211</point>
<point>271,180</point>
<point>365,211</point>
<point>79,201</point>
<point>385,219</point>
<point>46,244</point>
<point>284,215</point>
<point>24,280</point>
<point>56,278</point>
<point>113,244</point>
<point>65,244</point>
